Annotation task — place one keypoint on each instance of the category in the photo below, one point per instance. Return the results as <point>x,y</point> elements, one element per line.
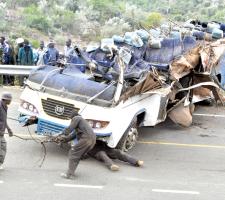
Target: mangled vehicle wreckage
<point>124,88</point>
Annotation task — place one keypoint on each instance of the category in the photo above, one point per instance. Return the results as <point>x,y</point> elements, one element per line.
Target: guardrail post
<point>1,79</point>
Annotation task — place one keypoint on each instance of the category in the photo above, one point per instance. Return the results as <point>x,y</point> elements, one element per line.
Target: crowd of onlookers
<point>24,54</point>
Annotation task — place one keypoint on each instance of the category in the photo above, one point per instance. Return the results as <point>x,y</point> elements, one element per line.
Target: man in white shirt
<point>41,52</point>
<point>68,50</point>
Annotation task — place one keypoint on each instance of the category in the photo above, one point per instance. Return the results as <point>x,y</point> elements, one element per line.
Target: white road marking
<point>1,181</point>
<point>209,115</point>
<point>79,186</point>
<point>168,182</point>
<point>137,179</point>
<point>175,191</point>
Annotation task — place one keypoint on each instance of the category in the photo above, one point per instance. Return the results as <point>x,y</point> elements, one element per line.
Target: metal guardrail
<point>16,69</point>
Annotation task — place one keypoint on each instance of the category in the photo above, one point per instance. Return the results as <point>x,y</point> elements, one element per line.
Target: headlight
<point>29,106</point>
<point>25,105</point>
<point>97,124</point>
<point>91,124</point>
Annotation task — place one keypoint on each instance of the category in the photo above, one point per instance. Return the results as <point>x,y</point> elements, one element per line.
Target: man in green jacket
<point>25,57</point>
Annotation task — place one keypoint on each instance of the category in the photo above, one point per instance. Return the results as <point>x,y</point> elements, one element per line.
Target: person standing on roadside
<point>41,52</point>
<point>11,61</point>
<point>4,58</point>
<point>68,50</point>
<point>5,101</point>
<point>52,54</point>
<point>25,57</point>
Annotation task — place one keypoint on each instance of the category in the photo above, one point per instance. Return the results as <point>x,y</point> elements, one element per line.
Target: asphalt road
<point>180,163</point>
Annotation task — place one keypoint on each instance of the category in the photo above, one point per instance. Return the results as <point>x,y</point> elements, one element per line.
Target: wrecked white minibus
<point>132,87</point>
<point>52,92</point>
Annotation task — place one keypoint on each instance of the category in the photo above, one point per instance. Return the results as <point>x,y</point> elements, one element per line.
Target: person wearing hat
<point>25,57</point>
<point>5,101</point>
<point>19,44</point>
<point>80,129</point>
<point>52,54</point>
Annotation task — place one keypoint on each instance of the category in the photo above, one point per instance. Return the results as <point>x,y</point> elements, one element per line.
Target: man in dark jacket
<point>25,57</point>
<point>105,154</point>
<point>80,129</point>
<point>52,54</point>
<point>5,101</point>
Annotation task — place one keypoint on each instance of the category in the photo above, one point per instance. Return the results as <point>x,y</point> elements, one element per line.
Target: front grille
<point>58,109</point>
<point>48,128</point>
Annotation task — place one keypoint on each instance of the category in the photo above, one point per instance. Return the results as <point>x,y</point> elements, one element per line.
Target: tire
<point>129,138</point>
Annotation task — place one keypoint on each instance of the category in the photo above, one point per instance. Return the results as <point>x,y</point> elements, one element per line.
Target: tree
<point>153,20</point>
<point>72,5</point>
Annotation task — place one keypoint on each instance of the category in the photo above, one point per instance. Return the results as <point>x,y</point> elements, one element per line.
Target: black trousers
<point>107,155</point>
<point>84,145</point>
<point>8,79</point>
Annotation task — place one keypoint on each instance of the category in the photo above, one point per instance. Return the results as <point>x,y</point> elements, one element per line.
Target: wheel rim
<point>131,139</point>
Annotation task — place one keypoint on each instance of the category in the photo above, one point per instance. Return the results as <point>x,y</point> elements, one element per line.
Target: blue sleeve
<point>46,57</point>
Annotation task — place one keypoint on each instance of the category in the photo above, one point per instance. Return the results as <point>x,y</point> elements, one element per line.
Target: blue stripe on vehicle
<point>47,127</point>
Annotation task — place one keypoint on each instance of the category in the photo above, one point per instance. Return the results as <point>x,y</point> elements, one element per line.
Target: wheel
<point>129,138</point>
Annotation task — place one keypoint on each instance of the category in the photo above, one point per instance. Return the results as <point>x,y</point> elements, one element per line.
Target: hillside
<point>93,19</point>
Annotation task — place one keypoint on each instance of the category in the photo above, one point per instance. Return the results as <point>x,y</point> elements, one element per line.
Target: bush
<point>60,40</point>
<point>35,19</point>
<point>72,5</point>
<point>207,4</point>
<point>211,11</point>
<point>114,26</point>
<point>178,18</point>
<point>63,19</point>
<point>35,43</point>
<point>106,8</point>
<point>154,19</point>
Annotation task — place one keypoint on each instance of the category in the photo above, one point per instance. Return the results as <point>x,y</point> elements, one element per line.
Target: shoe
<point>140,163</point>
<point>67,176</point>
<point>1,167</point>
<point>114,167</point>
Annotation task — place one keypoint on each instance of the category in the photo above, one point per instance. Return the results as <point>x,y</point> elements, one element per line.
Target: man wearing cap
<point>19,44</point>
<point>80,129</point>
<point>5,101</point>
<point>25,57</point>
<point>52,54</point>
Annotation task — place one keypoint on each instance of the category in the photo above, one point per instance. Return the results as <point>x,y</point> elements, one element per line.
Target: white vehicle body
<point>49,109</point>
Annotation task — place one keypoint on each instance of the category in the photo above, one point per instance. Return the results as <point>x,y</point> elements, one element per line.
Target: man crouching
<point>79,128</point>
